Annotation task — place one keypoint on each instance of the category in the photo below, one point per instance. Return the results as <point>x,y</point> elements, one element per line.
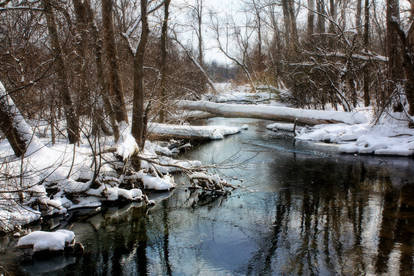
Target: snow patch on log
<point>192,132</point>
<point>277,113</point>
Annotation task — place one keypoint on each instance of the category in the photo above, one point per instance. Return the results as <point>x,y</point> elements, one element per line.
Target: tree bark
<point>199,12</point>
<point>394,50</point>
<point>138,120</point>
<point>163,62</point>
<point>286,20</point>
<point>358,21</point>
<point>293,28</point>
<point>311,20</point>
<point>80,58</point>
<point>320,6</point>
<point>103,91</point>
<point>366,47</point>
<point>71,117</point>
<point>332,27</point>
<point>13,125</point>
<point>114,79</point>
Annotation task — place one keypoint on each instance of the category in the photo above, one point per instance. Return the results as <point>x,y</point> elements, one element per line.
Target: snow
<point>157,183</point>
<point>126,146</point>
<point>19,123</point>
<point>229,93</point>
<point>283,126</point>
<point>274,112</point>
<point>390,136</point>
<point>52,241</point>
<point>188,131</point>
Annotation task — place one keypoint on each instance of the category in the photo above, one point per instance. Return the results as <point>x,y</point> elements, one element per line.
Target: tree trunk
<point>71,117</point>
<point>311,19</point>
<point>200,34</point>
<point>12,124</point>
<point>408,52</point>
<point>276,113</point>
<point>163,63</point>
<point>332,27</point>
<point>286,20</point>
<point>293,28</point>
<point>103,91</point>
<point>320,6</point>
<point>394,50</point>
<point>81,63</point>
<point>358,21</point>
<point>138,120</point>
<point>114,79</point>
<point>366,45</point>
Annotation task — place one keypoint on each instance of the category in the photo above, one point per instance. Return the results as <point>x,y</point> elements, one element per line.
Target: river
<point>299,210</point>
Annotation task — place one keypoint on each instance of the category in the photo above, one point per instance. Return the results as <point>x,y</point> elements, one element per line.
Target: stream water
<point>299,211</point>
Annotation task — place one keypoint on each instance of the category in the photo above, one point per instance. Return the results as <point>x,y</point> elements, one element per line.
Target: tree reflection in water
<point>298,213</point>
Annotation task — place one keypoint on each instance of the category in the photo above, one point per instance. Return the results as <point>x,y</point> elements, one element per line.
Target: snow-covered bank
<point>391,136</point>
<point>55,179</point>
<point>191,132</point>
<point>276,113</point>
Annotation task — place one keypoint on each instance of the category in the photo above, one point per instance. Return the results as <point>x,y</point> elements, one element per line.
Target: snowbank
<point>52,241</point>
<point>390,136</point>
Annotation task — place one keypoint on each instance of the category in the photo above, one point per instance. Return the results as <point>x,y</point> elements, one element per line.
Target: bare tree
<point>163,61</point>
<point>114,79</point>
<point>197,12</point>
<point>138,112</point>
<point>395,73</point>
<point>71,116</point>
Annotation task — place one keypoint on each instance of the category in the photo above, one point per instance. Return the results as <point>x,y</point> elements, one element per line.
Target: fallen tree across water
<point>275,113</point>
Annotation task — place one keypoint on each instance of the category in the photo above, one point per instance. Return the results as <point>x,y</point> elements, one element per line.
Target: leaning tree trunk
<point>114,79</point>
<point>71,117</point>
<point>163,63</point>
<point>138,118</point>
<point>12,124</point>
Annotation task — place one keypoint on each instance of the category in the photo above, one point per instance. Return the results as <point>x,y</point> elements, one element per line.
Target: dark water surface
<point>299,211</point>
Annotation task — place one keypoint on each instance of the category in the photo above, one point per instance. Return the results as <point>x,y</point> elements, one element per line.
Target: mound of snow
<point>52,241</point>
<point>390,136</point>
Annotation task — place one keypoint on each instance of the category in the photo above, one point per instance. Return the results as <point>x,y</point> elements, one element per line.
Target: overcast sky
<point>219,7</point>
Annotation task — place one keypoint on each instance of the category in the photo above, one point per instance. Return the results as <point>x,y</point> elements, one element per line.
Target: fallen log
<point>188,132</point>
<point>275,113</point>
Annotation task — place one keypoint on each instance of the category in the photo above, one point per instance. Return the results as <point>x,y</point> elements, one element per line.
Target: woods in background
<point>89,62</point>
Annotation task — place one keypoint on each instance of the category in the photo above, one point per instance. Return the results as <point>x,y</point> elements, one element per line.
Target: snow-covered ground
<point>229,93</point>
<point>390,136</point>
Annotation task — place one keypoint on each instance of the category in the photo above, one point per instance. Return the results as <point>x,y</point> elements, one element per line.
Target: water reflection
<point>297,213</point>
